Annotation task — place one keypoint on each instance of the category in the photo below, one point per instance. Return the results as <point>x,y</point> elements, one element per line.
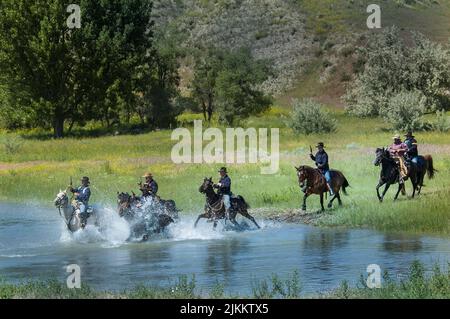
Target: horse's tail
<point>345,185</point>
<point>245,205</point>
<point>430,167</point>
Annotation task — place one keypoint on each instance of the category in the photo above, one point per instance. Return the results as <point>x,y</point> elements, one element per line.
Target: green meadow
<point>34,169</point>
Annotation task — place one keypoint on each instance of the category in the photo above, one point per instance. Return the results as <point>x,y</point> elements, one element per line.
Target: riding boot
<point>330,189</point>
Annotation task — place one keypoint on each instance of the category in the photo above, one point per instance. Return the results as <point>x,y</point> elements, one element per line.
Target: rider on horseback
<point>398,150</point>
<point>412,153</point>
<point>321,159</point>
<point>224,189</point>
<point>150,187</point>
<point>82,195</point>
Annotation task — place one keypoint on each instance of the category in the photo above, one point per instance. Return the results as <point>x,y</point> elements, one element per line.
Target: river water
<point>34,245</point>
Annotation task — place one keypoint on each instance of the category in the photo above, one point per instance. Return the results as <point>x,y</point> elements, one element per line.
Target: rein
<point>220,202</point>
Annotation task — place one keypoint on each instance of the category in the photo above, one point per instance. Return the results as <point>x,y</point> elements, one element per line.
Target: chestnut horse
<point>311,181</point>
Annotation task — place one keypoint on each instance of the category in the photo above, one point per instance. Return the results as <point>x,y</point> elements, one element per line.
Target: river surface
<point>34,245</point>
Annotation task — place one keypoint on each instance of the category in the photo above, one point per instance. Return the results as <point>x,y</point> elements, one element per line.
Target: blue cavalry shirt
<point>84,193</point>
<point>321,160</point>
<point>225,185</point>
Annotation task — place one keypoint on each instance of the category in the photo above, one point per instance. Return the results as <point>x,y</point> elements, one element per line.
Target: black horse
<point>390,173</point>
<point>132,209</point>
<point>215,209</point>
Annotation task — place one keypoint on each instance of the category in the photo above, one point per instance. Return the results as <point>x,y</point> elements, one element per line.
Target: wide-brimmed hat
<point>409,134</point>
<point>223,169</point>
<point>320,144</point>
<point>148,174</point>
<point>85,179</point>
<point>396,137</point>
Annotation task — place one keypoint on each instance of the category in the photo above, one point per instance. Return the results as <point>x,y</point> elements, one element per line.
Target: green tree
<point>74,74</point>
<point>207,67</point>
<point>237,83</point>
<point>227,82</point>
<point>159,105</point>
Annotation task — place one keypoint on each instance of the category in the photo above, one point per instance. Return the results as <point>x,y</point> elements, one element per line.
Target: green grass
<point>418,284</point>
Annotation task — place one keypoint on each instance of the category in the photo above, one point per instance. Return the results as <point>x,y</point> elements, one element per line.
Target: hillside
<point>310,43</point>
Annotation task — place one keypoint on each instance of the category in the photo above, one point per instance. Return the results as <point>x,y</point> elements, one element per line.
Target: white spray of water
<point>184,230</point>
<point>113,230</point>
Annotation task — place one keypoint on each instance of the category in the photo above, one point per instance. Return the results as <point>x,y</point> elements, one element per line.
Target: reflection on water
<point>34,249</point>
<point>401,243</point>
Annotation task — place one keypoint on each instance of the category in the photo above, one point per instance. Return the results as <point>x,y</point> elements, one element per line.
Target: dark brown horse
<point>311,181</point>
<point>215,209</point>
<point>390,173</point>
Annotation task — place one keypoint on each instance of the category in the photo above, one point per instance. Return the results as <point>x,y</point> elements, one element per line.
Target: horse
<point>390,173</point>
<point>311,181</point>
<point>71,214</point>
<point>134,211</point>
<point>215,208</point>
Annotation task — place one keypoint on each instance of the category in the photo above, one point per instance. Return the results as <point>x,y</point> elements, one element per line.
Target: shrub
<point>309,116</point>
<point>405,110</point>
<point>442,123</point>
<point>12,144</point>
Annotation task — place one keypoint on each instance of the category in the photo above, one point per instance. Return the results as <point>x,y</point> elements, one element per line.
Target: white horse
<point>71,213</point>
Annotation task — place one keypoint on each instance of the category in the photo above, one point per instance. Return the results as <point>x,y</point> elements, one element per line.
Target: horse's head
<point>207,183</point>
<point>380,154</point>
<point>302,174</point>
<point>61,199</point>
<point>123,199</point>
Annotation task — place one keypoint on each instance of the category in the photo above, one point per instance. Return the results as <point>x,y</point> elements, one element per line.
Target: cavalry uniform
<point>150,187</point>
<point>83,194</point>
<point>224,189</point>
<point>413,153</point>
<point>397,151</point>
<point>321,160</point>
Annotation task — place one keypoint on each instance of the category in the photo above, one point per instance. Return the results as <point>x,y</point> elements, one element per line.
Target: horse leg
<point>385,191</point>
<point>321,202</point>
<point>336,195</point>
<point>420,184</point>
<point>204,215</point>
<point>339,198</point>
<point>234,222</point>
<point>380,183</point>
<point>304,201</point>
<point>414,185</point>
<point>250,217</point>
<point>398,191</point>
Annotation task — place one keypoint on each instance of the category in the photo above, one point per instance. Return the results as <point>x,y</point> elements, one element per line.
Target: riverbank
<point>417,284</point>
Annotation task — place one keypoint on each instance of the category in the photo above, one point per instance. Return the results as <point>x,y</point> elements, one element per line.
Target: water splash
<point>184,230</point>
<point>112,231</point>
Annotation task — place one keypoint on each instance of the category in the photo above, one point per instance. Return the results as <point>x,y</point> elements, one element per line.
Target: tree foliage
<point>227,82</point>
<point>107,70</point>
<point>392,67</point>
